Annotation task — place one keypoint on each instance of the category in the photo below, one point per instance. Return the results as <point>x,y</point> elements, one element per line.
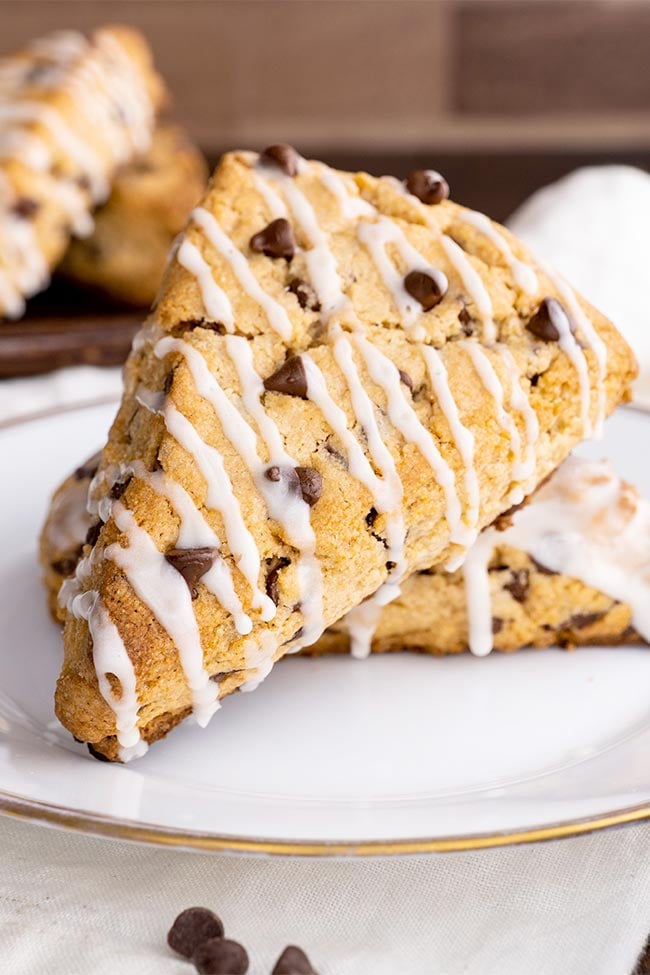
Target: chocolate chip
<point>428,185</point>
<point>307,297</point>
<point>192,928</point>
<point>549,321</point>
<point>542,568</point>
<point>169,382</point>
<point>273,473</point>
<point>189,325</point>
<point>497,625</point>
<point>276,240</point>
<point>371,517</point>
<point>87,470</point>
<point>96,754</point>
<point>581,620</point>
<point>283,156</point>
<point>337,457</point>
<point>311,484</point>
<point>192,563</point>
<point>274,566</point>
<point>219,956</point>
<point>405,378</point>
<point>466,321</point>
<point>519,585</point>
<point>293,961</point>
<point>66,566</point>
<point>25,207</point>
<point>290,378</point>
<point>424,288</point>
<point>119,488</point>
<point>93,533</point>
<point>504,520</point>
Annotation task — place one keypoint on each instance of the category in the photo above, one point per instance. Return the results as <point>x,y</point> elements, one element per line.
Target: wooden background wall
<point>478,84</point>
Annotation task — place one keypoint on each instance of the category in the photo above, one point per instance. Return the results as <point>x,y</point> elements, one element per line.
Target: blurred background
<point>502,95</point>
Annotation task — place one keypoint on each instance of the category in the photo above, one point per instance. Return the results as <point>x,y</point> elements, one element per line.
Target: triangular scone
<point>571,567</point>
<point>340,384</point>
<point>72,110</point>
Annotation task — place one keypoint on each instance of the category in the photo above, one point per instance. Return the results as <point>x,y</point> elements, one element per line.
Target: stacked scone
<point>344,381</point>
<point>80,126</point>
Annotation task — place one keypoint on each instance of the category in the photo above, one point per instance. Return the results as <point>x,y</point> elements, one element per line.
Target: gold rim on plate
<point>81,821</point>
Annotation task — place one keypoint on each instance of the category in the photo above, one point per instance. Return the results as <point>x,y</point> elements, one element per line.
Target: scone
<point>72,110</point>
<point>570,567</point>
<point>343,381</point>
<point>125,256</point>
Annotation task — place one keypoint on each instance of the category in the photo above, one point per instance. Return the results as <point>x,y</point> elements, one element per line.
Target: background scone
<point>343,381</point>
<point>75,109</point>
<point>125,256</point>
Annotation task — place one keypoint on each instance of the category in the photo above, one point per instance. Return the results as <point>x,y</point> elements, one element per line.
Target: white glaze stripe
<point>586,326</point>
<point>473,284</point>
<point>164,591</point>
<point>275,313</point>
<point>294,514</point>
<point>520,402</point>
<point>289,510</point>
<point>492,384</point>
<point>110,657</point>
<point>523,273</point>
<point>215,300</point>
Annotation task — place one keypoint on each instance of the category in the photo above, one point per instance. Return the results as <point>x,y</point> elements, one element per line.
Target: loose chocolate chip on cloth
<point>219,956</point>
<point>293,961</point>
<point>191,928</point>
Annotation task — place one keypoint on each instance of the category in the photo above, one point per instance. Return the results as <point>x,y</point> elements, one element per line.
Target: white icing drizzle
<point>274,202</point>
<point>492,384</point>
<point>462,436</point>
<point>591,336</point>
<point>110,657</point>
<point>376,236</point>
<point>520,402</point>
<point>584,523</point>
<point>523,273</point>
<point>473,284</point>
<point>276,314</point>
<point>163,590</point>
<point>284,506</point>
<point>220,497</point>
<point>352,206</point>
<point>195,532</point>
<point>215,300</point>
<point>572,350</point>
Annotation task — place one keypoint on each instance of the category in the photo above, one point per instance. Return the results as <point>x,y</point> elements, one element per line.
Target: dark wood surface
<point>66,326</point>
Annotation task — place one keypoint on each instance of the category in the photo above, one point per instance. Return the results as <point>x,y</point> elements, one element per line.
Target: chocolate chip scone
<point>570,567</point>
<point>125,256</point>
<point>72,110</point>
<point>341,384</point>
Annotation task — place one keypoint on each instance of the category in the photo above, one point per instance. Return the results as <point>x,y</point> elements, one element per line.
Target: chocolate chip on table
<point>293,961</point>
<point>274,565</point>
<point>428,185</point>
<point>549,321</point>
<point>219,956</point>
<point>519,585</point>
<point>307,297</point>
<point>192,563</point>
<point>290,378</point>
<point>424,288</point>
<point>283,156</point>
<point>276,240</point>
<point>25,207</point>
<point>311,484</point>
<point>192,928</point>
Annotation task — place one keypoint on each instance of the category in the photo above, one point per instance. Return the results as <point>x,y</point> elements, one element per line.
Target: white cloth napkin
<point>76,905</point>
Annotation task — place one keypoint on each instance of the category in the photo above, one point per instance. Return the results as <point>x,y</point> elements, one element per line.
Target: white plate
<point>396,753</point>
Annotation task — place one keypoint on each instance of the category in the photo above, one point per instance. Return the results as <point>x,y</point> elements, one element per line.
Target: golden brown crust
<point>351,550</point>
